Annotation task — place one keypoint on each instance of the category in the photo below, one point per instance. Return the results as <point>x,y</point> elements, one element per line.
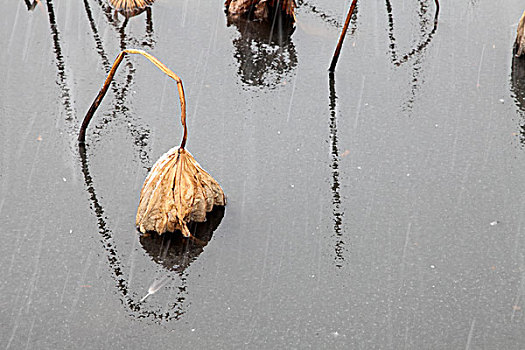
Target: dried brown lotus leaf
<point>520,38</point>
<point>176,191</point>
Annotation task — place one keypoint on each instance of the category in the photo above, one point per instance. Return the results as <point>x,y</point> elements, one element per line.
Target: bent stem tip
<point>107,82</point>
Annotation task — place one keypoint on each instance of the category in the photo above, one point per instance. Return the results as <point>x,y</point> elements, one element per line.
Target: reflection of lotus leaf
<point>265,52</point>
<point>519,46</point>
<point>175,252</point>
<point>518,81</point>
<point>518,88</point>
<point>130,8</point>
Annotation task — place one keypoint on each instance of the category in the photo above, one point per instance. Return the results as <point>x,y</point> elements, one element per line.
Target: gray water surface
<point>380,208</point>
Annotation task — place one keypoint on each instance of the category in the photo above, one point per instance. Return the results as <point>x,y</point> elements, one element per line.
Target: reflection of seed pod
<point>519,46</point>
<point>130,8</point>
<point>177,191</point>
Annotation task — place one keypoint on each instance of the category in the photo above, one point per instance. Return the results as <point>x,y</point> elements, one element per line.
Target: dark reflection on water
<point>31,5</point>
<point>170,250</point>
<point>98,42</point>
<point>148,39</point>
<point>265,51</point>
<point>175,252</point>
<point>426,35</point>
<point>336,196</point>
<point>518,90</point>
<point>60,62</point>
<point>328,18</point>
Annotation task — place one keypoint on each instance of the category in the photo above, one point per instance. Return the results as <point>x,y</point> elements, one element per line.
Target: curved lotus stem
<point>104,89</point>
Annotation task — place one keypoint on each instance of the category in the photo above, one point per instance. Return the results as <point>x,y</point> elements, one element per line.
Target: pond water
<point>380,208</point>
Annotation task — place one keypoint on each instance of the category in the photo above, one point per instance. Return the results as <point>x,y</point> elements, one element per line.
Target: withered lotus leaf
<point>519,46</point>
<point>177,190</point>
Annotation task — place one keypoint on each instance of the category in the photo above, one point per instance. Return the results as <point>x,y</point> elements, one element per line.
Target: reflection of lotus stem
<point>342,37</point>
<point>103,90</point>
<point>405,58</point>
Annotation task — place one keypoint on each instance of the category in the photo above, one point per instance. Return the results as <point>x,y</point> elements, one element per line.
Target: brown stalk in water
<point>177,190</point>
<point>335,58</point>
<point>104,89</point>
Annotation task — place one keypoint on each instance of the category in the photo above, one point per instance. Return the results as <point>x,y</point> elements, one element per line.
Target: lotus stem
<point>342,37</point>
<point>104,89</point>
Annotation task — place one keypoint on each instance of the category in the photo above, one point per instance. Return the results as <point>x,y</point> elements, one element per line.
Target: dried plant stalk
<point>111,74</point>
<point>335,57</point>
<point>519,46</point>
<point>177,190</point>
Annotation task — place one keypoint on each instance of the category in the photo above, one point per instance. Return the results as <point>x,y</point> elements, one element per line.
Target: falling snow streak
<point>336,197</point>
<point>518,92</point>
<point>114,261</point>
<point>420,47</point>
<point>60,62</point>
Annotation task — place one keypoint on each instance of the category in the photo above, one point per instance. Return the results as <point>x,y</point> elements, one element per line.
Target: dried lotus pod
<point>177,190</point>
<point>519,45</point>
<point>130,8</point>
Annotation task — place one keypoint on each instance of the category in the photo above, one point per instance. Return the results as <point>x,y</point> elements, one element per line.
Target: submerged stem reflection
<point>328,18</point>
<point>336,196</point>
<point>121,91</point>
<point>425,40</point>
<point>60,62</point>
<point>417,51</point>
